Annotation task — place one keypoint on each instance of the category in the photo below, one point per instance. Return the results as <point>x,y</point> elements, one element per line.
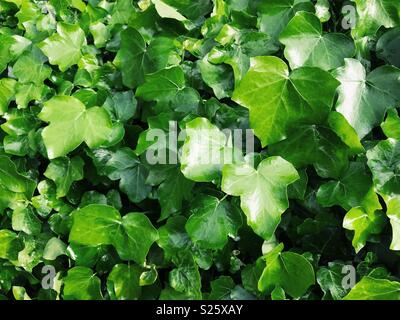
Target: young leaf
<point>262,191</point>
<point>81,284</point>
<point>71,124</point>
<point>370,288</point>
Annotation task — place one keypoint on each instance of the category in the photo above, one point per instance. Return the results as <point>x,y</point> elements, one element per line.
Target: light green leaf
<point>363,225</point>
<point>132,235</point>
<point>205,151</point>
<point>278,100</point>
<point>30,67</point>
<point>64,47</point>
<point>330,280</point>
<point>373,14</point>
<point>81,284</point>
<point>10,245</point>
<point>288,270</point>
<point>64,171</point>
<point>71,124</point>
<point>307,45</point>
<point>123,282</point>
<point>384,162</point>
<point>25,219</point>
<point>263,192</point>
<point>391,126</point>
<point>375,289</point>
<point>212,222</point>
<point>7,91</point>
<point>364,99</point>
<point>393,213</point>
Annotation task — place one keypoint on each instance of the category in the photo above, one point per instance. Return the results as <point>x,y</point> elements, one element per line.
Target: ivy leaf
<point>353,189</point>
<point>64,47</point>
<point>162,86</point>
<point>123,282</point>
<point>173,188</point>
<point>205,151</point>
<point>123,165</point>
<point>275,14</point>
<point>7,92</point>
<point>263,192</point>
<point>384,162</point>
<point>81,284</point>
<point>370,288</point>
<point>131,235</point>
<point>131,58</point>
<point>71,124</point>
<point>278,100</point>
<point>10,245</point>
<point>364,99</point>
<point>393,213</point>
<point>212,221</point>
<point>221,288</point>
<point>25,219</point>
<point>374,14</point>
<point>363,225</point>
<point>30,67</point>
<point>314,145</point>
<point>288,270</point>
<point>330,280</point>
<point>306,44</point>
<point>391,126</point>
<point>388,47</point>
<point>121,106</point>
<point>64,171</point>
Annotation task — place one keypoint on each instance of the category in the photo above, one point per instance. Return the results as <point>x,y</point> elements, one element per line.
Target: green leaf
<point>388,47</point>
<point>384,162</point>
<point>71,124</point>
<point>186,279</point>
<point>125,166</point>
<point>131,58</point>
<point>364,99</point>
<point>132,235</point>
<point>391,126</point>
<point>30,67</point>
<point>218,77</point>
<point>25,219</point>
<point>278,100</point>
<point>7,91</point>
<point>288,270</point>
<point>64,47</point>
<point>212,221</point>
<point>121,106</point>
<point>370,288</point>
<point>162,86</point>
<point>330,280</point>
<point>54,248</point>
<point>393,213</point>
<point>81,284</point>
<point>263,192</point>
<point>221,288</point>
<point>322,10</point>
<point>123,282</point>
<point>353,189</point>
<point>173,188</point>
<point>13,181</point>
<point>306,44</point>
<point>314,145</point>
<point>275,14</point>
<point>374,14</point>
<point>363,224</point>
<point>205,151</point>
<point>10,245</point>
<point>64,171</point>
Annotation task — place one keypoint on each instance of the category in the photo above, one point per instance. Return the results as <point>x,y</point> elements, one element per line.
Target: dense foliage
<point>314,210</point>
